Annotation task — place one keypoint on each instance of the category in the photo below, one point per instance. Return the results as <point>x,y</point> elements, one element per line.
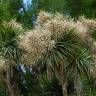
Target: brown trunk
<point>6,80</point>
<point>78,86</point>
<point>11,90</point>
<point>49,73</point>
<point>64,89</point>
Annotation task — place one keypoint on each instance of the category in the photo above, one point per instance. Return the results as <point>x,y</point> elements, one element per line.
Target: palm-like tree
<point>67,57</point>
<point>9,51</point>
<point>80,67</point>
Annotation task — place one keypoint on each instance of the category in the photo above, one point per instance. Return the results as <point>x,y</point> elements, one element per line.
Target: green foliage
<point>2,89</point>
<point>14,8</point>
<point>94,35</point>
<point>50,87</point>
<point>4,10</point>
<point>81,7</point>
<point>55,5</point>
<point>81,62</point>
<point>8,40</point>
<point>27,81</point>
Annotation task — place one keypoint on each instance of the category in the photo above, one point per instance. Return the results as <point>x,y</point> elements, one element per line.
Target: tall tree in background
<point>27,15</point>
<point>75,8</point>
<point>4,11</point>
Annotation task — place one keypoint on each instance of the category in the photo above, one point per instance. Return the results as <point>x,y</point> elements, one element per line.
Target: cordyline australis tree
<point>9,54</point>
<point>62,45</point>
<point>59,43</point>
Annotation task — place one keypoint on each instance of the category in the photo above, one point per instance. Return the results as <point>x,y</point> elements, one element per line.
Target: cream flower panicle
<point>81,28</point>
<point>57,27</point>
<point>47,31</point>
<point>42,18</point>
<point>35,43</point>
<point>89,23</point>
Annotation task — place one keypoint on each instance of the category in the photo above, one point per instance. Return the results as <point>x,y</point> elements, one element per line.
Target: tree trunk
<point>49,73</point>
<point>10,89</point>
<point>64,89</point>
<point>6,81</point>
<point>78,86</point>
<point>13,91</point>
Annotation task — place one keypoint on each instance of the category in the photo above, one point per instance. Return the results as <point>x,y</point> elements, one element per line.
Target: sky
<point>27,1</point>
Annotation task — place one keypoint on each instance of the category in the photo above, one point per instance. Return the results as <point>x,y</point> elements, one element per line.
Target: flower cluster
<point>42,17</point>
<point>89,23</point>
<point>57,26</point>
<point>47,31</point>
<point>34,44</point>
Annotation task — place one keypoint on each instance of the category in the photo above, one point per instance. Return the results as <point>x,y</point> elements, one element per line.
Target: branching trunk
<point>49,73</point>
<point>10,89</point>
<point>78,86</point>
<point>64,89</point>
